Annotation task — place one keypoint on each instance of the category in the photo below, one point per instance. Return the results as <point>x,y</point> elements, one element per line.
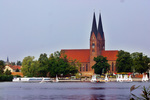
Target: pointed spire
<point>100,27</point>
<point>7,59</point>
<point>94,26</point>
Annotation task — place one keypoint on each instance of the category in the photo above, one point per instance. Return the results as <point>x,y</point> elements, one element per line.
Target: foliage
<point>17,70</point>
<point>43,65</point>
<point>101,65</point>
<point>135,62</point>
<point>6,77</point>
<point>7,72</point>
<point>52,66</point>
<point>19,63</point>
<point>29,66</point>
<point>123,62</point>
<point>140,62</point>
<point>17,76</point>
<point>12,63</point>
<point>2,67</point>
<point>60,65</point>
<point>145,93</point>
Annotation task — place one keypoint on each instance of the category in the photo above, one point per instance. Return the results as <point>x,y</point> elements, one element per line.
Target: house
<point>14,69</point>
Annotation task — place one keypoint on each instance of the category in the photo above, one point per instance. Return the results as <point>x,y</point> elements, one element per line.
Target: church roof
<point>81,55</point>
<point>94,26</point>
<point>110,54</point>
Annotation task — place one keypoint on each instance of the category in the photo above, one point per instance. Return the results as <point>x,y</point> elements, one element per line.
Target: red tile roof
<point>17,73</point>
<point>81,55</point>
<point>110,54</point>
<point>14,67</point>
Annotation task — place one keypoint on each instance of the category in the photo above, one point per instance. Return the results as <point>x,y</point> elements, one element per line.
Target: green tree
<point>29,66</point>
<point>60,65</point>
<point>140,62</point>
<point>17,70</point>
<point>7,72</point>
<point>2,66</point>
<point>73,67</point>
<point>43,65</point>
<point>57,65</point>
<point>19,63</point>
<point>100,65</point>
<point>12,63</point>
<point>124,61</point>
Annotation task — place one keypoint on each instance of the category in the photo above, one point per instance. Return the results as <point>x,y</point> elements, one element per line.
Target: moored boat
<point>145,78</point>
<point>93,78</point>
<point>31,79</point>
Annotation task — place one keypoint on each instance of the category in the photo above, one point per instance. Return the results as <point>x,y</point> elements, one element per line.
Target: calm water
<point>68,91</point>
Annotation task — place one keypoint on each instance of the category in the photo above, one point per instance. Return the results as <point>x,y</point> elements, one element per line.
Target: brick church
<point>97,47</point>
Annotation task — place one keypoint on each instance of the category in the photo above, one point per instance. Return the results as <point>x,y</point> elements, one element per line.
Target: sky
<point>33,27</point>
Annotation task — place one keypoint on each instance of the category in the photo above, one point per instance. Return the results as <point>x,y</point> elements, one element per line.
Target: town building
<point>97,47</point>
<point>14,69</point>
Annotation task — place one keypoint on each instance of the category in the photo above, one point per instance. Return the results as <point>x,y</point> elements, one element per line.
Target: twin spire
<point>100,27</point>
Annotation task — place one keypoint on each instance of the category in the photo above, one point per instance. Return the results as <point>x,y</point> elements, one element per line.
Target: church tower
<point>93,42</point>
<point>101,38</point>
<point>97,40</point>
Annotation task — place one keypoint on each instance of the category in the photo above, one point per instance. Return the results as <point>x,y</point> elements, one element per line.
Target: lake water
<point>68,91</point>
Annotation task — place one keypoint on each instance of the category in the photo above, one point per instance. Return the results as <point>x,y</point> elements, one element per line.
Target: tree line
<point>135,62</point>
<point>126,62</point>
<point>58,64</point>
<point>55,64</point>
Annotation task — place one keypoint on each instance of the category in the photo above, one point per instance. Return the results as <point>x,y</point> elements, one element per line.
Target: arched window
<point>83,67</point>
<point>112,66</point>
<point>93,45</point>
<point>86,67</point>
<point>80,68</point>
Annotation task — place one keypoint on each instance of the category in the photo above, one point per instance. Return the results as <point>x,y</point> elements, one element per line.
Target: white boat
<point>106,78</point>
<point>31,79</point>
<point>16,79</point>
<point>145,78</point>
<point>56,79</point>
<point>124,79</point>
<point>130,78</point>
<point>93,78</point>
<point>45,80</point>
<point>119,78</point>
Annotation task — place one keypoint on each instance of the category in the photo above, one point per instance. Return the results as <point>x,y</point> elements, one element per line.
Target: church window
<point>86,67</point>
<point>93,50</point>
<point>80,68</point>
<point>112,66</point>
<point>93,45</point>
<point>83,67</point>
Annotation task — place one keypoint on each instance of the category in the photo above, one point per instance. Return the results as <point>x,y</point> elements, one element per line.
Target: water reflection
<point>66,91</point>
<point>97,97</point>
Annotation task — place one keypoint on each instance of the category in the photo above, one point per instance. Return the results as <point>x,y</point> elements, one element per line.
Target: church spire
<point>94,26</point>
<point>7,59</point>
<point>100,27</point>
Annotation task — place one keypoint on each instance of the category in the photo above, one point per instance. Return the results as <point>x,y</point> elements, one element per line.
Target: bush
<point>17,76</point>
<point>6,77</point>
